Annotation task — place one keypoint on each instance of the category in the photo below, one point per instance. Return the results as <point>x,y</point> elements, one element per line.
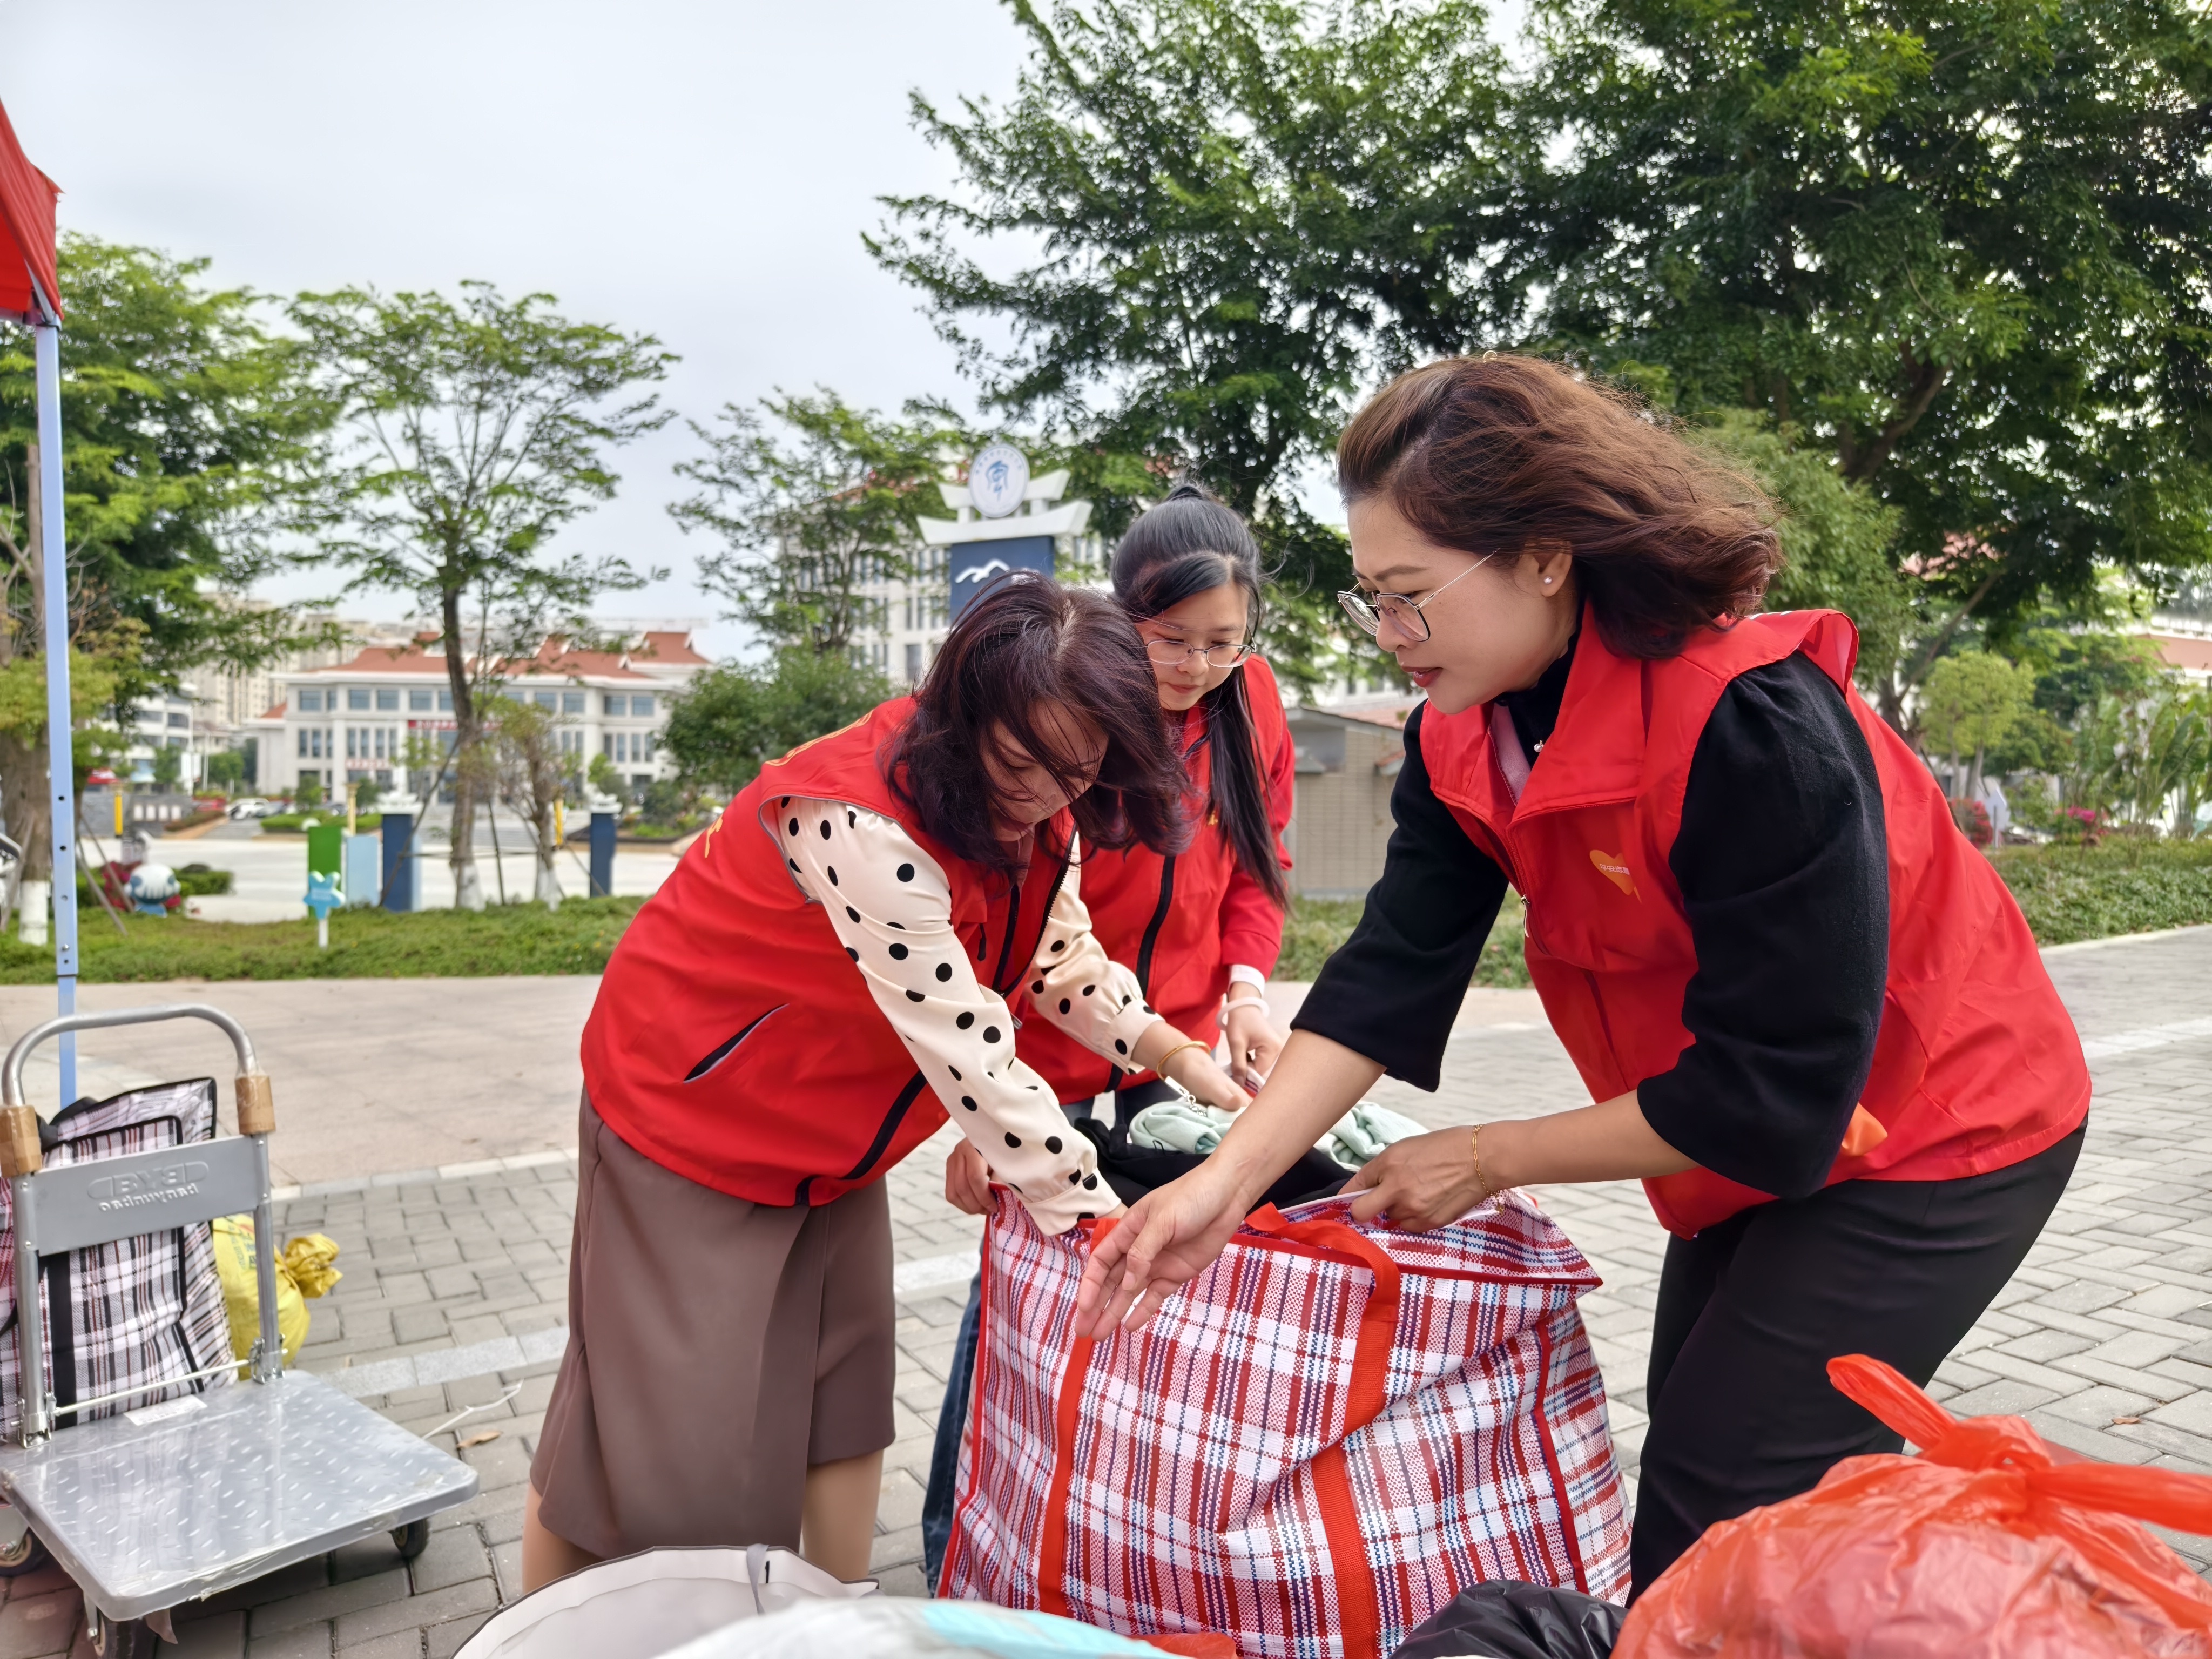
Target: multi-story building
<point>353,720</point>
<point>221,704</point>
<point>913,613</point>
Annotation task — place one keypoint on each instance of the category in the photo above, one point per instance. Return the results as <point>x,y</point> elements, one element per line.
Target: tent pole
<point>46,328</point>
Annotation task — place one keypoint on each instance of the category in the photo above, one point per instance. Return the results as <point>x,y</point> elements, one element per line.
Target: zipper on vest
<point>1153,928</point>
<point>885,1131</point>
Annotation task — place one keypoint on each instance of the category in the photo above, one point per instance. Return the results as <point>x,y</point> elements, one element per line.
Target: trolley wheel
<point>132,1638</point>
<point>25,1554</point>
<point>412,1539</point>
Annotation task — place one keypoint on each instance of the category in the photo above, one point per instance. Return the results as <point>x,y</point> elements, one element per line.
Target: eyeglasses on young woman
<point>1172,653</point>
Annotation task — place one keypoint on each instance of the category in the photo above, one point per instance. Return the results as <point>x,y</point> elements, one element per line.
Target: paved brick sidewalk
<point>455,1289</point>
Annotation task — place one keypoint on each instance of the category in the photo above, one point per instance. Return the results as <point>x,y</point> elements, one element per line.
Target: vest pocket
<point>715,1056</point>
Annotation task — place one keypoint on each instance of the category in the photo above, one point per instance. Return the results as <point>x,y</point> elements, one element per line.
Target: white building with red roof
<point>352,720</point>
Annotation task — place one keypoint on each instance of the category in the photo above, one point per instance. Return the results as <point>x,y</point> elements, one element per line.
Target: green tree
<point>1836,538</point>
<point>182,431</point>
<point>1958,244</point>
<point>472,432</point>
<point>1225,218</point>
<point>736,718</point>
<point>809,514</point>
<point>603,776</point>
<point>2076,668</point>
<point>168,766</point>
<point>226,769</point>
<point>2177,753</point>
<point>1968,703</point>
<point>535,773</point>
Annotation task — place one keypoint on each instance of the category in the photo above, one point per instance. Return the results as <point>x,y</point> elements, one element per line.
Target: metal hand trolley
<point>242,1480</point>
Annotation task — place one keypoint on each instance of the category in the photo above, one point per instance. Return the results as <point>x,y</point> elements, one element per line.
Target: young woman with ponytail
<point>1201,927</point>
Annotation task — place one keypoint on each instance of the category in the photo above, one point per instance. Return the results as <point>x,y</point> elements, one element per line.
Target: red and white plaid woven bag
<point>1316,1444</point>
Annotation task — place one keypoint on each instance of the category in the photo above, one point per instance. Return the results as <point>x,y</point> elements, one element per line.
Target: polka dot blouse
<point>892,910</point>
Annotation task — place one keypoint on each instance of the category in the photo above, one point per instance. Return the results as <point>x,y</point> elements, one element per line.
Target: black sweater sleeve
<point>1783,866</point>
<point>1393,990</point>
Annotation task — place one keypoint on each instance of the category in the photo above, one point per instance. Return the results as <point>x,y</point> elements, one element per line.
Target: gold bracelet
<point>1474,1147</point>
<point>1160,1065</point>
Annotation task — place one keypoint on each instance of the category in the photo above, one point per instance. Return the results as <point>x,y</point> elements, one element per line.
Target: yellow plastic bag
<point>303,1270</point>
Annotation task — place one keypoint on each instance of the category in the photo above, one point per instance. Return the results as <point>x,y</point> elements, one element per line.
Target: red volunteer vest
<point>733,1041</point>
<point>1977,1065</point>
<point>1159,915</point>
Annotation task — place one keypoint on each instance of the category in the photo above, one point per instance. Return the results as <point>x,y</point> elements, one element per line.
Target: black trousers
<point>1751,1311</point>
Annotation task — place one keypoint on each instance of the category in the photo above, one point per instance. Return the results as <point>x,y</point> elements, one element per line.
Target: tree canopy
<point>1231,217</point>
<point>1960,245</point>
<point>1953,249</point>
<point>184,429</point>
<point>733,720</point>
<point>812,510</point>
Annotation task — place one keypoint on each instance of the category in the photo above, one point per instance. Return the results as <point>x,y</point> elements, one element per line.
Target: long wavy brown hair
<point>1501,453</point>
<point>1022,643</point>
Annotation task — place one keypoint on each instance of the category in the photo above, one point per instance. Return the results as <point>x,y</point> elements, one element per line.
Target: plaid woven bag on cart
<point>135,1312</point>
<point>1316,1444</point>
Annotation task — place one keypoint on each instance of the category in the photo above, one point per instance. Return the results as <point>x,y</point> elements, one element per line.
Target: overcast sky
<point>699,171</point>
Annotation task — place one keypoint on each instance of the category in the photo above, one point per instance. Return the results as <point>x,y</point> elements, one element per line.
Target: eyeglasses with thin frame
<point>1172,653</point>
<point>1369,609</point>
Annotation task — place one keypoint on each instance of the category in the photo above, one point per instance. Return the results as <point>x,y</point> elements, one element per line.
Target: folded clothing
<point>1184,1125</point>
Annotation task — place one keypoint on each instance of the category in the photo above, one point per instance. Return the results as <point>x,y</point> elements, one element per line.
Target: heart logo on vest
<point>1614,866</point>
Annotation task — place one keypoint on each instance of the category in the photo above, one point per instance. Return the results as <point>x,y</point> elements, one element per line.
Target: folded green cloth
<point>1362,1133</point>
<point>1185,1126</point>
<point>1180,1126</point>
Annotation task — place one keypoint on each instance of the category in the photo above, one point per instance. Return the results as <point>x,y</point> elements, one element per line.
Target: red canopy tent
<point>26,222</point>
<point>30,293</point>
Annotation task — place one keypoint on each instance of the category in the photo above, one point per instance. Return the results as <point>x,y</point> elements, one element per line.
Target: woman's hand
<point>1167,1238</point>
<point>1422,1183</point>
<point>1198,1072</point>
<point>967,1180</point>
<point>1253,1043</point>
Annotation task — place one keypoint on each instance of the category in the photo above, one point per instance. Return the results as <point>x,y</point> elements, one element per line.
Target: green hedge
<point>294,823</point>
<point>2118,886</point>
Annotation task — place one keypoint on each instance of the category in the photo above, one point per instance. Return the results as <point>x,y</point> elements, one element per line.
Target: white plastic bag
<point>644,1606</point>
<point>901,1628</point>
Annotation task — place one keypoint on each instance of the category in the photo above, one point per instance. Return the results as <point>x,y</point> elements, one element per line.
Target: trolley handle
<point>19,1127</point>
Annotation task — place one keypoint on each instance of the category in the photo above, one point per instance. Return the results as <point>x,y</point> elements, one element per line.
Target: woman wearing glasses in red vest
<point>1811,1017</point>
<point>828,974</point>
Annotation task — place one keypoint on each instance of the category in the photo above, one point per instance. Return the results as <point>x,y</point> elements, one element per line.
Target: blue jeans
<point>944,1455</point>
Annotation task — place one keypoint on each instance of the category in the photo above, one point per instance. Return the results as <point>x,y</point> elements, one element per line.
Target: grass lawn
<point>367,944</point>
<point>2068,893</point>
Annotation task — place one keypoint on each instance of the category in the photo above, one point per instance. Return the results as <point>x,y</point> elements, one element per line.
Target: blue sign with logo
<point>976,565</point>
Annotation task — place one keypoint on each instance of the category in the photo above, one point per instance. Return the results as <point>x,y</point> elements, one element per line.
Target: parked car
<point>251,806</point>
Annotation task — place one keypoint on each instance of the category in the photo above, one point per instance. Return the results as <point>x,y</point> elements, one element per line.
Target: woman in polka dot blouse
<point>846,961</point>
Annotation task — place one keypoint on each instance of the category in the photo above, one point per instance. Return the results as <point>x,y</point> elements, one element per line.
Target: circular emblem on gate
<point>997,478</point>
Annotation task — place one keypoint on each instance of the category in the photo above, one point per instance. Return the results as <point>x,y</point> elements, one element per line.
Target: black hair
<point>1026,641</point>
<point>1191,544</point>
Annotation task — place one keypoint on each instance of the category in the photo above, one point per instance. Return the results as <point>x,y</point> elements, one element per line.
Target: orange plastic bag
<point>1990,1544</point>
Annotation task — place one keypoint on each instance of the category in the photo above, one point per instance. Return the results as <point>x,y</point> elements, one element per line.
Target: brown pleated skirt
<point>716,1349</point>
